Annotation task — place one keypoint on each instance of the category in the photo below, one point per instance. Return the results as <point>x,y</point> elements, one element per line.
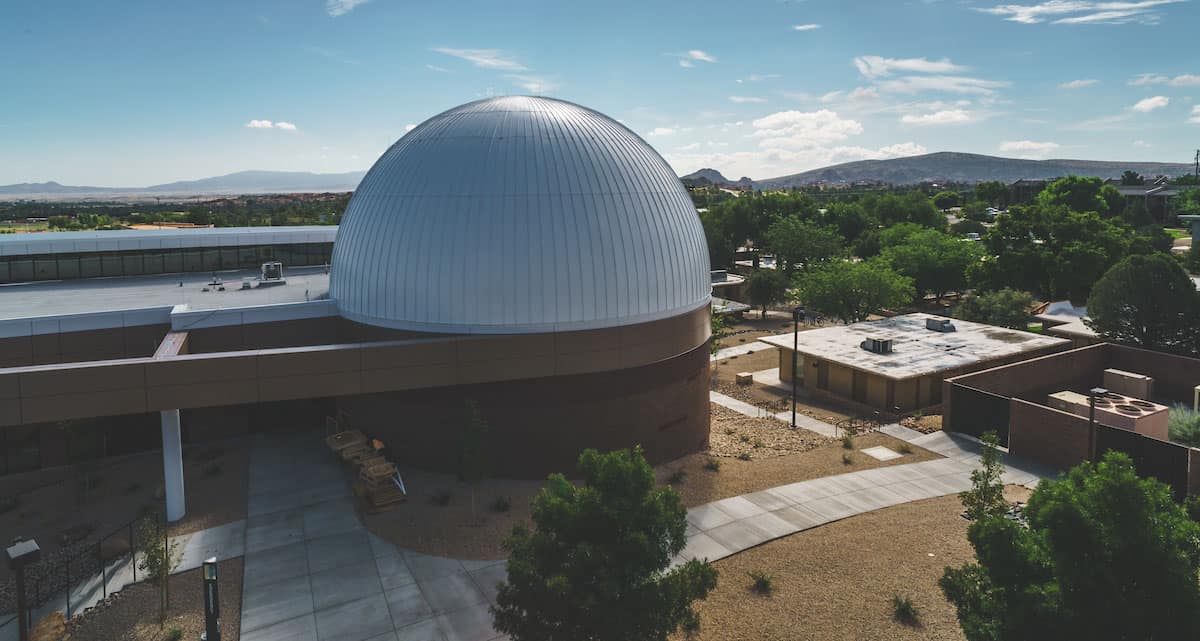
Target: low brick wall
<point>1046,435</point>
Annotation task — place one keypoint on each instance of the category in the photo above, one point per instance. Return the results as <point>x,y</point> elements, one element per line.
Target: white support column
<point>172,465</point>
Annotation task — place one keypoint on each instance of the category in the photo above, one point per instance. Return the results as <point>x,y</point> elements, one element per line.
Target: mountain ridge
<point>252,181</point>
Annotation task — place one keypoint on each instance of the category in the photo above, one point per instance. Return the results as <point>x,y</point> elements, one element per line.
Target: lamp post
<point>212,603</point>
<point>1093,394</point>
<point>20,554</point>
<point>797,316</point>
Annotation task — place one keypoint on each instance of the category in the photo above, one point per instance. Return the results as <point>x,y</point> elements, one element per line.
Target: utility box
<point>1129,383</point>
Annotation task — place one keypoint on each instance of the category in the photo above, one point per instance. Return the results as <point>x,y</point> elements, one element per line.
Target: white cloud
<point>690,147</point>
<point>484,58</point>
<point>902,149</point>
<point>757,77</point>
<point>409,127</point>
<point>799,129</point>
<point>686,64</point>
<point>1028,148</point>
<point>944,117</point>
<point>831,96</point>
<point>260,124</point>
<point>287,126</point>
<point>806,27</point>
<point>1147,105</point>
<point>1077,84</point>
<point>772,162</point>
<point>951,84</point>
<point>1081,12</point>
<point>745,99</point>
<point>661,131</point>
<point>533,84</point>
<point>1195,119</point>
<point>859,94</point>
<point>337,8</point>
<point>878,66</point>
<point>697,54</point>
<point>1182,80</point>
<point>1142,144</point>
<point>437,68</point>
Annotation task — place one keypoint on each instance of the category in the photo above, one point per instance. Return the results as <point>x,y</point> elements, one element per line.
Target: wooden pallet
<point>380,499</point>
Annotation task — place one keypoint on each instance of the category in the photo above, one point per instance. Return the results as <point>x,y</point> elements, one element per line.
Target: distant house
<point>1156,196</point>
<point>1025,190</point>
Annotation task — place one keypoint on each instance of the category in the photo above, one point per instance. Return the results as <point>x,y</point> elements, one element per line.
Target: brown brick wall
<point>72,347</point>
<point>1037,377</point>
<point>1174,376</point>
<point>1047,435</point>
<point>540,426</point>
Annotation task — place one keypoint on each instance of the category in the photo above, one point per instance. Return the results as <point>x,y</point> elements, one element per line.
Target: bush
<point>1183,425</point>
<point>763,582</point>
<point>745,438</point>
<point>501,504</point>
<point>744,456</point>
<point>440,498</point>
<point>677,476</point>
<point>712,465</point>
<point>904,611</point>
<point>904,448</point>
<point>729,431</point>
<point>847,459</point>
<point>758,443</point>
<point>848,441</point>
<point>174,634</point>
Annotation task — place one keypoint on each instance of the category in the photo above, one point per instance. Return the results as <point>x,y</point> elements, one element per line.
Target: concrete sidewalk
<point>802,420</point>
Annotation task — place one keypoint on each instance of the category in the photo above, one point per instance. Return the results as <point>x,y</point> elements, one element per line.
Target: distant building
<point>1026,190</point>
<point>900,362</point>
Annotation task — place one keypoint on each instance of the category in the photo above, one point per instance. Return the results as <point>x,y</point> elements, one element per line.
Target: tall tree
<point>765,287</point>
<point>936,262</point>
<point>1082,194</point>
<point>1147,301</point>
<point>993,192</point>
<point>1003,308</point>
<point>1130,177</point>
<point>1105,555</point>
<point>799,243</point>
<point>596,565</point>
<point>851,291</point>
<point>944,200</point>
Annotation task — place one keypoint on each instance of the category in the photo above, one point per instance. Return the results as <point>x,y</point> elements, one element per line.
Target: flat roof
<point>916,351</point>
<point>71,242</point>
<point>88,295</point>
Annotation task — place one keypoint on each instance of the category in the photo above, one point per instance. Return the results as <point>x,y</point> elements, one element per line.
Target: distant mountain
<point>957,167</point>
<point>713,177</point>
<point>242,182</point>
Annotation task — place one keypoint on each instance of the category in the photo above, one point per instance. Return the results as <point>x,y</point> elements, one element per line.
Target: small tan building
<point>899,363</point>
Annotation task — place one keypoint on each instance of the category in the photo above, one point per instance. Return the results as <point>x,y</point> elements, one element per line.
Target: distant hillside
<point>708,176</point>
<point>957,167</point>
<point>242,182</point>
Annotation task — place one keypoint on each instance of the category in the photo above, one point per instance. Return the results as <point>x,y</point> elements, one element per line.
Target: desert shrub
<point>174,634</point>
<point>744,456</point>
<point>763,582</point>
<point>848,441</point>
<point>904,611</point>
<point>712,465</point>
<point>677,476</point>
<point>847,459</point>
<point>758,443</point>
<point>729,431</point>
<point>745,438</point>
<point>1183,425</point>
<point>904,448</point>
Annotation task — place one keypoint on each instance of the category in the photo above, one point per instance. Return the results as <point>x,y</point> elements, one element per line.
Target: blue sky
<point>136,93</point>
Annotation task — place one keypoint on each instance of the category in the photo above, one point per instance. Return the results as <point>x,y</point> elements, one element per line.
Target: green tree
<point>850,219</point>
<point>993,192</point>
<point>1082,194</point>
<point>1003,308</point>
<point>910,207</point>
<point>985,499</point>
<point>474,449</point>
<point>1130,177</point>
<point>765,287</point>
<point>797,242</point>
<point>936,262</point>
<point>944,200</point>
<point>1105,555</point>
<point>851,291</point>
<point>596,565</point>
<point>158,556</point>
<point>1147,301</point>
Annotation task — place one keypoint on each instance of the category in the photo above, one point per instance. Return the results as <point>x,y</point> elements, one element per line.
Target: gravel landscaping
<point>132,613</point>
<point>836,582</point>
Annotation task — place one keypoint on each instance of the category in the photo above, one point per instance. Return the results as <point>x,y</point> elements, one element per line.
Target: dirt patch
<point>72,510</point>
<point>132,613</point>
<point>740,436</point>
<point>837,581</point>
<point>929,421</point>
<point>699,484</point>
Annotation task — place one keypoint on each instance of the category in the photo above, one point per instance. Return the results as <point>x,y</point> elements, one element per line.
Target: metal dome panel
<point>519,214</point>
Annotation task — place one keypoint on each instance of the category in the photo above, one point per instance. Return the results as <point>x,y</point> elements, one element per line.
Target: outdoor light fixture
<point>212,603</point>
<point>1093,394</point>
<point>20,554</point>
<point>797,316</point>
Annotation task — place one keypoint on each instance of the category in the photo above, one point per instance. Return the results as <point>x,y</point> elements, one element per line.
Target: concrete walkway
<point>802,420</point>
<point>740,350</point>
<point>314,573</point>
<point>721,528</point>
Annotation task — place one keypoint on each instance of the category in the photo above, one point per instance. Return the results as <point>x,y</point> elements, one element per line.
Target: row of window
<point>23,269</point>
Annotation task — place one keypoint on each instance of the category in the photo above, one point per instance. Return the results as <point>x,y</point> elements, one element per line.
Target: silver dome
<point>519,214</point>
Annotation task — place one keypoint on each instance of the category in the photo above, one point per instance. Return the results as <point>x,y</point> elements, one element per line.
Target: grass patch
<point>1183,425</point>
<point>763,583</point>
<point>904,611</point>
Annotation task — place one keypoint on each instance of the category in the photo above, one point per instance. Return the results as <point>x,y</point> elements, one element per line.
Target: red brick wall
<point>1046,435</point>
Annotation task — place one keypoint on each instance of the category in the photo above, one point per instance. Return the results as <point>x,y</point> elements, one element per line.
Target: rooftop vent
<point>939,324</point>
<point>877,345</point>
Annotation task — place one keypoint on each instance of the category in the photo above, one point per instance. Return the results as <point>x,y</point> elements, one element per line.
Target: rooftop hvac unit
<point>877,345</point>
<point>271,274</point>
<point>1129,383</point>
<point>939,324</point>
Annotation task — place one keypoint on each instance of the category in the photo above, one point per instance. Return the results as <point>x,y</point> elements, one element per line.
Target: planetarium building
<point>528,254</point>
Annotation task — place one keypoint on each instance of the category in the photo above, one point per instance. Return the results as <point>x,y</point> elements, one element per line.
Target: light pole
<point>1093,394</point>
<point>20,554</point>
<point>797,316</point>
<point>212,603</point>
